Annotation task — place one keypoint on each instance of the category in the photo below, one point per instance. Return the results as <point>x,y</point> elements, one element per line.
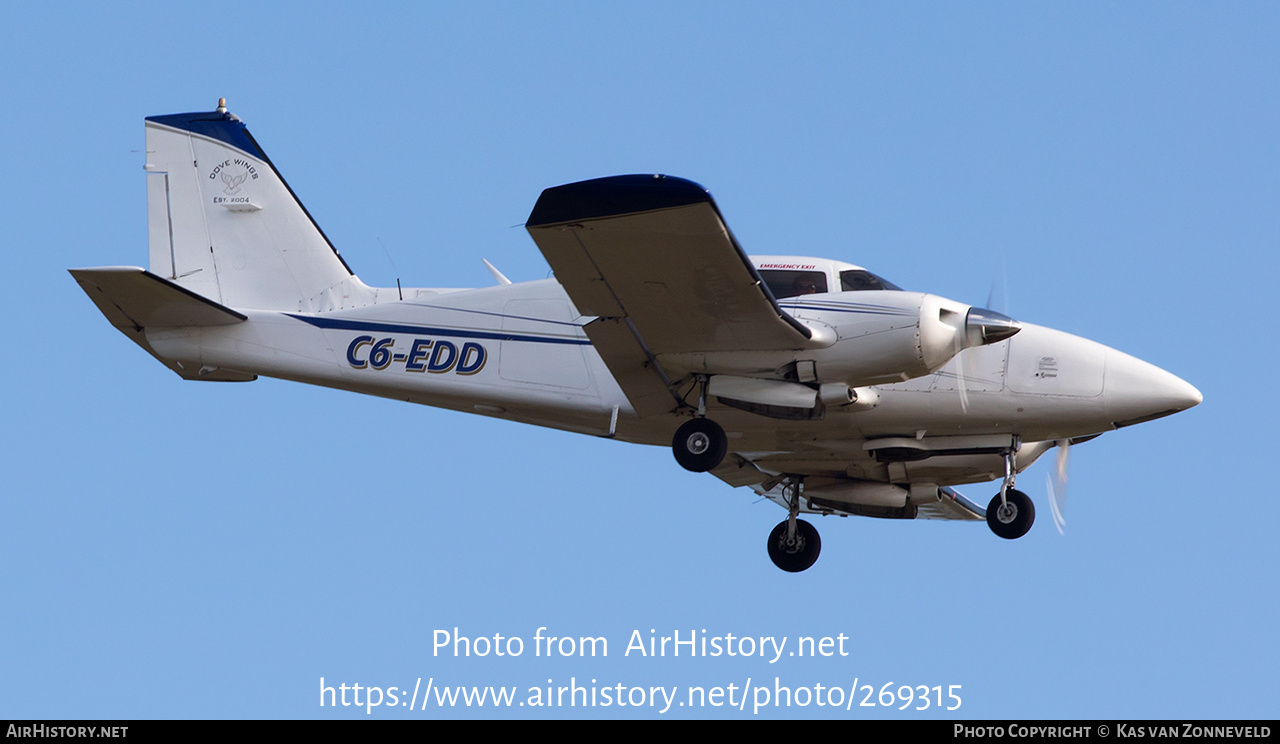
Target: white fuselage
<point>518,352</point>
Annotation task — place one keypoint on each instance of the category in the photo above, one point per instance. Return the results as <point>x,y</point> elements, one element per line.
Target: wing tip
<point>612,196</point>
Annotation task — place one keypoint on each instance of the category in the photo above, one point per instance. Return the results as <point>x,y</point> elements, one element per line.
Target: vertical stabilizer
<point>223,223</point>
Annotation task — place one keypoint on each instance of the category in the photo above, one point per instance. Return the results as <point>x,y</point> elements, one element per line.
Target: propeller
<point>961,384</point>
<point>997,296</point>
<point>985,325</point>
<point>981,327</point>
<point>1056,483</point>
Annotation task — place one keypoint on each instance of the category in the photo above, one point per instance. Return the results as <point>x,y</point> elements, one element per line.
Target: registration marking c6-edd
<point>423,355</point>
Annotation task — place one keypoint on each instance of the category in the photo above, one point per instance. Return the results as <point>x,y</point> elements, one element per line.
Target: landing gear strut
<point>1011,513</point>
<point>794,544</point>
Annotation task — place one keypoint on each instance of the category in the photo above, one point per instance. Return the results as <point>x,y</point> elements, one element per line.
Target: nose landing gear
<point>1013,518</point>
<point>797,553</point>
<point>1011,513</point>
<point>794,544</point>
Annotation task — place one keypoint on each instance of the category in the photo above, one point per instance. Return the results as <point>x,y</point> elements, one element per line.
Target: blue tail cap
<point>221,126</point>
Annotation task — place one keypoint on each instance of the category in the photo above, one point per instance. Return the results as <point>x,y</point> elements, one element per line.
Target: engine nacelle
<point>885,337</point>
<point>860,339</point>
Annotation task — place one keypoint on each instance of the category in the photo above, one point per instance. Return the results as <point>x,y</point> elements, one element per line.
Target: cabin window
<point>794,283</point>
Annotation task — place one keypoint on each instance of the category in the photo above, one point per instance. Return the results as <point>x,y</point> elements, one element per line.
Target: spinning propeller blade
<point>981,327</point>
<point>985,325</point>
<point>1056,482</point>
<point>961,384</point>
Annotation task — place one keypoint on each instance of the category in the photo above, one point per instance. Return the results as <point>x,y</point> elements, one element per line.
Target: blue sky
<point>178,549</point>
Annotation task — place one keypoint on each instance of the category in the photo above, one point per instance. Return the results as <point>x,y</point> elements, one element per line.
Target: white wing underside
<point>652,258</point>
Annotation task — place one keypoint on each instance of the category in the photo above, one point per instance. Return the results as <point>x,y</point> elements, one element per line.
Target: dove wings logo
<point>233,172</point>
<point>233,182</point>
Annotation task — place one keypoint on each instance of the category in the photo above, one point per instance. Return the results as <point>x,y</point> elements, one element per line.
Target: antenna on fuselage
<point>394,270</point>
<point>502,279</point>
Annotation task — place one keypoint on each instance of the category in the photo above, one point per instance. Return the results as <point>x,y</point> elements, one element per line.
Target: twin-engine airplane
<point>814,382</point>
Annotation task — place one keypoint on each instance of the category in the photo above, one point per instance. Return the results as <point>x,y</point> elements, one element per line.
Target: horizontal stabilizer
<point>134,298</point>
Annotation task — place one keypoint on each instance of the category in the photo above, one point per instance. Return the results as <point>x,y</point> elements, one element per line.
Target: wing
<point>652,258</point>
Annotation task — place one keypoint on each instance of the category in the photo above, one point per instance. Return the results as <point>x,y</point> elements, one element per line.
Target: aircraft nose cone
<point>984,326</point>
<point>1136,391</point>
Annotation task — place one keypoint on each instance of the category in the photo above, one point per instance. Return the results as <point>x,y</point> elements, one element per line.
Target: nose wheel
<point>795,553</point>
<point>1011,514</point>
<point>794,544</point>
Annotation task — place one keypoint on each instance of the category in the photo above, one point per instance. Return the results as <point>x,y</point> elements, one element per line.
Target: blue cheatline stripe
<point>338,324</point>
<point>864,309</point>
<point>495,315</point>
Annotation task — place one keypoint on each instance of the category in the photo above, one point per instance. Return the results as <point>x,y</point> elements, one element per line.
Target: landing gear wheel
<point>699,445</point>
<point>1014,519</point>
<point>798,556</point>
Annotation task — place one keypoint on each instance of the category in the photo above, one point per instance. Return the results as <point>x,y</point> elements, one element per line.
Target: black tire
<point>1016,520</point>
<point>699,445</point>
<point>798,557</point>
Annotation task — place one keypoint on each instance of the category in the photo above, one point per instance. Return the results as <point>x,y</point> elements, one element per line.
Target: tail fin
<point>223,223</point>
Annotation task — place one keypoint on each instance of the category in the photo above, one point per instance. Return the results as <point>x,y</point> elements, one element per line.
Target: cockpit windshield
<point>793,283</point>
<point>855,280</point>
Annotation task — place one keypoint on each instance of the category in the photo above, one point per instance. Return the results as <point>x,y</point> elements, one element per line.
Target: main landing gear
<point>700,443</point>
<point>794,544</point>
<point>1011,513</point>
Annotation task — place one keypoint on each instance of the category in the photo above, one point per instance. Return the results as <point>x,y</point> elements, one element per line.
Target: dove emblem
<point>233,182</point>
